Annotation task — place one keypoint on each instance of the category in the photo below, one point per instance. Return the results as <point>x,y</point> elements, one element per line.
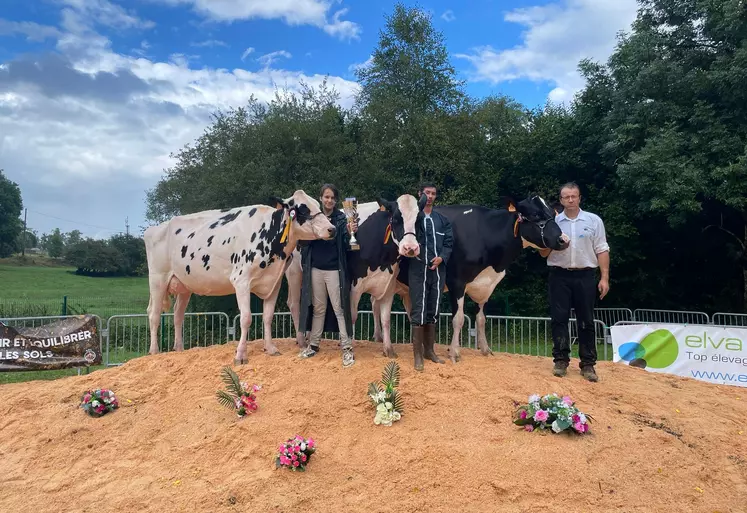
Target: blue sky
<point>110,88</point>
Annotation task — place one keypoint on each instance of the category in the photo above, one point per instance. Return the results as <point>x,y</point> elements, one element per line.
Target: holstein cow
<point>220,252</point>
<point>386,234</point>
<point>486,242</point>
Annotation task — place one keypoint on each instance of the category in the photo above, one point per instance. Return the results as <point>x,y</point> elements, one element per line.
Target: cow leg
<point>243,298</point>
<point>482,339</point>
<point>457,322</point>
<point>386,316</point>
<point>376,307</point>
<point>157,304</point>
<point>268,312</point>
<point>355,298</point>
<point>294,275</point>
<point>182,299</point>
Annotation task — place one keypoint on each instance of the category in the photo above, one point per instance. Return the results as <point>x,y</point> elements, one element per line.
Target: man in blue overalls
<point>427,277</point>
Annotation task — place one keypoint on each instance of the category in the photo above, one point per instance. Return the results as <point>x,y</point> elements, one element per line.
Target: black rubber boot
<point>429,344</point>
<point>418,335</point>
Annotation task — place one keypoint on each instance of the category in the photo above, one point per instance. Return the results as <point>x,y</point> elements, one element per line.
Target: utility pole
<point>127,225</point>
<point>23,249</point>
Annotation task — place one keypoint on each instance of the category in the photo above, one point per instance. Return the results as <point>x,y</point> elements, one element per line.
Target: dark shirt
<point>324,255</point>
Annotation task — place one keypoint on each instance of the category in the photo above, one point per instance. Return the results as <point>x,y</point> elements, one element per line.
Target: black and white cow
<point>241,250</point>
<point>486,242</point>
<point>386,235</point>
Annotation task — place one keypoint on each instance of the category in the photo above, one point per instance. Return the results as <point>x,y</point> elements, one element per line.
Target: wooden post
<point>23,249</point>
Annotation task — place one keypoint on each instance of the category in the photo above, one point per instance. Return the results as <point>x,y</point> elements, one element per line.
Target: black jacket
<point>307,306</point>
<point>434,236</point>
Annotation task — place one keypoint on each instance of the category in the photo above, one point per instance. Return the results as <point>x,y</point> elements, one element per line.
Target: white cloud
<point>210,43</point>
<point>32,31</point>
<point>105,13</point>
<point>448,15</point>
<point>358,65</point>
<point>247,52</point>
<point>267,59</point>
<point>85,131</point>
<point>293,12</point>
<point>556,38</point>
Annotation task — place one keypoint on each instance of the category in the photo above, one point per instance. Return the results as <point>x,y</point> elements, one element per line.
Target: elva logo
<point>657,350</point>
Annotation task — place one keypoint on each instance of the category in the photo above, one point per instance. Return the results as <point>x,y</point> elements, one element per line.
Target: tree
<point>72,238</point>
<point>11,206</point>
<point>407,96</point>
<point>677,118</point>
<point>30,239</point>
<point>55,244</point>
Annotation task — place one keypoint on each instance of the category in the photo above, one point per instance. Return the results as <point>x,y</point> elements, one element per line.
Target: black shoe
<point>588,373</point>
<point>560,369</point>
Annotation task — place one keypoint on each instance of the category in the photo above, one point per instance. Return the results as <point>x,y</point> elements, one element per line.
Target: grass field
<point>40,289</point>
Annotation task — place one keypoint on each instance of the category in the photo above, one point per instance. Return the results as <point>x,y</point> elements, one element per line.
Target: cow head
<point>403,214</point>
<point>308,222</point>
<point>536,224</point>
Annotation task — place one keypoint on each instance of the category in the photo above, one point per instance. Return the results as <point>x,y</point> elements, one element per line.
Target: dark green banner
<point>71,342</point>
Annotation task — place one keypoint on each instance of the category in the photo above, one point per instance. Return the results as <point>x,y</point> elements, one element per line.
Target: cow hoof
<point>434,358</point>
<point>487,351</point>
<point>390,354</point>
<point>273,351</point>
<point>455,358</point>
<point>240,361</point>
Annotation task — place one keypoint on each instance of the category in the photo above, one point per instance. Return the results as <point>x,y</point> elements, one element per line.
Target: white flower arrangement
<point>385,398</point>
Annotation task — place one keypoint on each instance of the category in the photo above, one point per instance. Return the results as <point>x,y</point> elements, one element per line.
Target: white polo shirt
<point>588,239</point>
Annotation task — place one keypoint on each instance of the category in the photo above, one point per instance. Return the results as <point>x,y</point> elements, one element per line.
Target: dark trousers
<point>426,287</point>
<point>577,290</point>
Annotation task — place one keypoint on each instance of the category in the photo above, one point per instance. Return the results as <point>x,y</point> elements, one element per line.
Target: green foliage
<point>387,385</point>
<point>10,212</point>
<point>233,384</point>
<point>121,255</point>
<point>55,244</point>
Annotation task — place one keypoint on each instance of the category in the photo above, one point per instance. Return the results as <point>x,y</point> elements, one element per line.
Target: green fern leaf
<point>232,381</point>
<point>397,401</point>
<point>226,400</point>
<point>373,389</point>
<point>390,374</point>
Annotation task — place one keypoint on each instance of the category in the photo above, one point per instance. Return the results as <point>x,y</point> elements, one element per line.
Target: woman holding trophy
<point>325,289</point>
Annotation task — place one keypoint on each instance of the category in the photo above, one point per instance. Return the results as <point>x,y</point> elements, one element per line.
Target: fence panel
<point>729,319</point>
<point>128,336</point>
<point>399,328</point>
<point>609,316</point>
<point>671,316</point>
<point>533,336</point>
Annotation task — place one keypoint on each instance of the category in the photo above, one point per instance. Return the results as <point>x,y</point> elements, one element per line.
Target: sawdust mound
<point>659,443</point>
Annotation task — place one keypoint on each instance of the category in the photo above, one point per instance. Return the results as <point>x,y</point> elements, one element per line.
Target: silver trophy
<point>350,207</point>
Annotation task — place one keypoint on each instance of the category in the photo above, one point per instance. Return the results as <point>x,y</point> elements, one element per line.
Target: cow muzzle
<point>332,231</point>
<point>409,249</point>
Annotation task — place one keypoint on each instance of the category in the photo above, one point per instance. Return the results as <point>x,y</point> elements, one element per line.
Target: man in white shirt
<point>573,282</point>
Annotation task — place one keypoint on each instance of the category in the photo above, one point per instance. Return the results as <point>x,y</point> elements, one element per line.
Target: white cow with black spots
<point>241,250</point>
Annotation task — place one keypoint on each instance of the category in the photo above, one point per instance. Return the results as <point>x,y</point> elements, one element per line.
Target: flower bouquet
<point>385,397</point>
<point>295,453</point>
<point>98,402</point>
<point>239,397</point>
<point>553,412</point>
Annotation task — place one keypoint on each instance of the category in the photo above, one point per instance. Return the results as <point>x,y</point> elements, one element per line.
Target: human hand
<point>352,226</point>
<point>436,262</point>
<point>603,287</point>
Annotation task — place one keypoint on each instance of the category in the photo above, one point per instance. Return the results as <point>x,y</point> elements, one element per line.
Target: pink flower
<point>567,400</point>
<point>295,463</point>
<point>303,457</point>
<point>310,443</point>
<point>575,418</point>
<point>87,398</point>
<point>581,428</point>
<point>255,388</point>
<point>294,457</point>
<point>529,427</point>
<point>540,416</point>
<point>523,414</point>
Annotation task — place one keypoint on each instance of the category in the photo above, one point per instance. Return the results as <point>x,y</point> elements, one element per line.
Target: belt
<point>572,269</point>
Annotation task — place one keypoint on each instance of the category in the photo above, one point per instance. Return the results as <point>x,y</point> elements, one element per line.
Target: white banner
<point>707,353</point>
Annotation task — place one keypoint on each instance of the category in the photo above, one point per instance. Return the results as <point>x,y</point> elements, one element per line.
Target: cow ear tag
<point>388,233</point>
<point>292,216</point>
<point>516,225</point>
<point>511,207</point>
